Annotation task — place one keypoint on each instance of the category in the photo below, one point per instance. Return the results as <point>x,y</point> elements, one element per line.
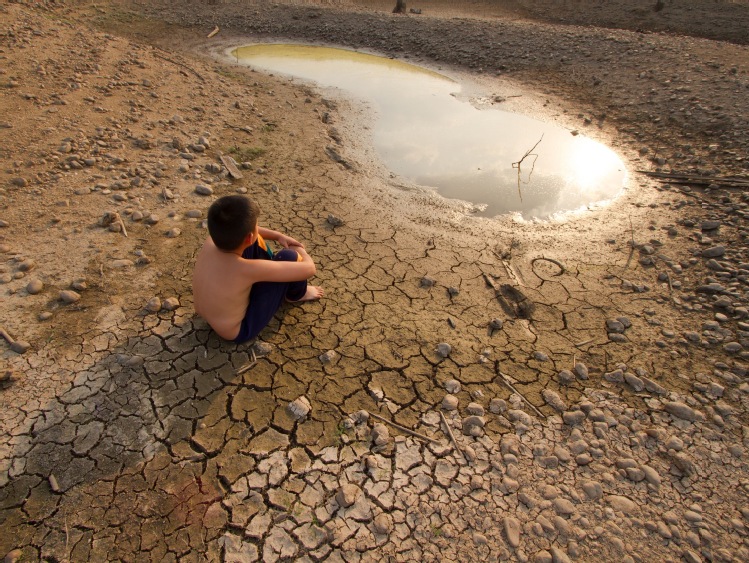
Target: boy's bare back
<point>221,288</point>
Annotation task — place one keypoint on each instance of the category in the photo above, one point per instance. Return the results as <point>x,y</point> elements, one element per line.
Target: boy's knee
<point>286,255</point>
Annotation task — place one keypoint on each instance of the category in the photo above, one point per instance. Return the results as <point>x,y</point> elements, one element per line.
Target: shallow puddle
<point>426,134</point>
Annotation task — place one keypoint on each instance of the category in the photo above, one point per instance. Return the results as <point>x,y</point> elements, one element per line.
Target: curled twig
<point>561,267</point>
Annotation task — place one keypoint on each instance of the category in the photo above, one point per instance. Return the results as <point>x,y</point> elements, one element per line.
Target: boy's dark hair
<point>230,219</point>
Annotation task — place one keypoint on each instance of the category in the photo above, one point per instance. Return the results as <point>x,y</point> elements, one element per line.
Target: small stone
<point>202,189</point>
<point>553,399</point>
<point>496,324</point>
<point>194,214</point>
<point>444,349</point>
<point>382,524</point>
<point>26,265</point>
<point>573,418</point>
<point>328,356</point>
<point>173,233</point>
<point>452,386</point>
<point>44,316</point>
<point>497,405</point>
<point>20,346</point>
<point>475,409</point>
<point>34,286</point>
<point>335,221</point>
<point>347,495</point>
<point>427,282</point>
<point>170,304</point>
<point>153,305</point>
<point>13,556</point>
<point>69,296</point>
<point>450,403</point>
<point>714,252</point>
<point>581,370</point>
<point>683,411</point>
<point>621,504</point>
<point>299,408</point>
<point>262,348</point>
<point>565,377</point>
<point>512,531</point>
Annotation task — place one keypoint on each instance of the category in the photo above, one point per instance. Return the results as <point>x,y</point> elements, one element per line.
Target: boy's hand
<point>287,241</point>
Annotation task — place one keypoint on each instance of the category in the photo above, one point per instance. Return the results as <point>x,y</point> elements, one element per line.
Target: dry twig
<point>451,435</point>
<point>506,381</point>
<point>519,162</point>
<point>403,428</point>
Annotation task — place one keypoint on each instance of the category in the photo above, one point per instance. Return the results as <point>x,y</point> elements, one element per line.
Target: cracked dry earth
<point>600,411</point>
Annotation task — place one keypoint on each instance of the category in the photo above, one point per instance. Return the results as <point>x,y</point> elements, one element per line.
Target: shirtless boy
<point>238,283</point>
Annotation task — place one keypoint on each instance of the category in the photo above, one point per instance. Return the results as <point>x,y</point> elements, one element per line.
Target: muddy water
<point>425,132</point>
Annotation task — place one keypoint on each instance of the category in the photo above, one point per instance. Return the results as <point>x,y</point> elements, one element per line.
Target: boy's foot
<point>313,293</point>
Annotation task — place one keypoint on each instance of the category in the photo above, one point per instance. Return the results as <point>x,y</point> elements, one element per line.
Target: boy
<point>238,283</point>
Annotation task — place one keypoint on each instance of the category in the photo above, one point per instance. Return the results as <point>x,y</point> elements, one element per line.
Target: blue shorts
<point>266,297</point>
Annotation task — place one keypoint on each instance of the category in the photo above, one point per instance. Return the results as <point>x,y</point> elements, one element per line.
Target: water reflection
<point>426,134</point>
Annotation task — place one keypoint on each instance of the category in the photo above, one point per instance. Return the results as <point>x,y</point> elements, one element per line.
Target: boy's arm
<point>281,271</point>
<point>283,240</point>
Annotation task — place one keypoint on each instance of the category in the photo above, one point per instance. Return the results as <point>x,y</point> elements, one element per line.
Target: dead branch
<point>122,223</point>
<point>249,365</point>
<point>519,162</point>
<point>452,436</point>
<point>403,428</point>
<point>6,336</point>
<point>214,32</point>
<point>506,381</point>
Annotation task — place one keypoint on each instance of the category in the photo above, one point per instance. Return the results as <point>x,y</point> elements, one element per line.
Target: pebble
<point>497,405</point>
<point>573,418</point>
<point>683,411</point>
<point>382,523</point>
<point>621,504</point>
<point>202,189</point>
<point>20,346</point>
<point>299,408</point>
<point>174,232</point>
<point>34,286</point>
<point>335,221</point>
<point>553,399</point>
<point>347,495</point>
<point>194,214</point>
<point>475,409</point>
<point>450,403</point>
<point>444,349</point>
<point>427,282</point>
<point>26,265</point>
<point>69,296</point>
<point>714,252</point>
<point>581,370</point>
<point>170,304</point>
<point>512,530</point>
<point>496,324</point>
<point>452,386</point>
<point>328,356</point>
<point>153,305</point>
<point>262,348</point>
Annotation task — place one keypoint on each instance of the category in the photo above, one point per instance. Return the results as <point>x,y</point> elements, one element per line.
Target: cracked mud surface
<point>601,410</point>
